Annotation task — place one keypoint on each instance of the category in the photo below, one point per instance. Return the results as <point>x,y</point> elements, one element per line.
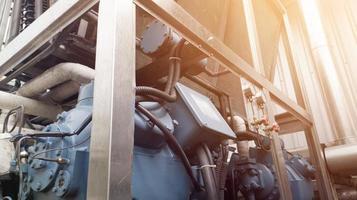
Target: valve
<point>260,101</point>
<point>273,128</point>
<point>249,93</point>
<point>263,121</point>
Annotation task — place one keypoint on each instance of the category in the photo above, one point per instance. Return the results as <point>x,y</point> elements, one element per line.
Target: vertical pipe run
<point>239,126</point>
<point>15,19</point>
<point>38,8</point>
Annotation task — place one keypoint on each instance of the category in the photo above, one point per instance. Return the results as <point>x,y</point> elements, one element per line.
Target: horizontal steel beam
<point>57,17</point>
<point>176,17</point>
<point>288,123</point>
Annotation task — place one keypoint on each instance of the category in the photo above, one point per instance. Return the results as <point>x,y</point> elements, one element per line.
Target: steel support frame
<point>111,160</point>
<point>176,17</point>
<point>275,149</point>
<point>324,182</point>
<point>112,135</point>
<point>57,17</point>
<point>114,96</point>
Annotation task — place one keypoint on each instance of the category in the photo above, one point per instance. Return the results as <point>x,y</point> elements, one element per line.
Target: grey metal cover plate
<point>204,111</point>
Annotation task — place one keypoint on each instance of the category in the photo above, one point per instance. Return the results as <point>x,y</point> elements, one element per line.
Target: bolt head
<point>175,122</point>
<point>38,186</point>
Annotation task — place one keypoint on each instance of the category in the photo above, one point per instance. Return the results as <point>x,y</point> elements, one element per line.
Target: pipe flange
<point>62,183</point>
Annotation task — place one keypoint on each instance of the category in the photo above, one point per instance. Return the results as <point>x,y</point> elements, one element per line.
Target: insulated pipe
<point>56,75</point>
<point>61,92</point>
<point>347,194</point>
<point>342,159</point>
<point>32,107</point>
<point>239,126</point>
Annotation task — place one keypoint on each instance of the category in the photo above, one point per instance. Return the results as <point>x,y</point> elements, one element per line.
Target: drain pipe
<point>56,75</point>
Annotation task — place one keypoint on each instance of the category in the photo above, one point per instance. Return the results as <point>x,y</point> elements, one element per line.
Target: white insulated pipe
<point>342,159</point>
<point>65,73</point>
<point>61,92</point>
<point>56,75</point>
<point>33,107</point>
<point>239,126</point>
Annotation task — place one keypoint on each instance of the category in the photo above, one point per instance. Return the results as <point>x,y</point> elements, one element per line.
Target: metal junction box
<point>198,120</point>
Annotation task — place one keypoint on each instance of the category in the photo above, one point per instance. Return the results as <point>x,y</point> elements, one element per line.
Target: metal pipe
<point>15,20</point>
<point>38,8</point>
<point>56,75</point>
<point>342,159</point>
<point>32,107</point>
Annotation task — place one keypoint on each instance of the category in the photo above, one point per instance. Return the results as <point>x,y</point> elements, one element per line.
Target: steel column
<point>112,139</point>
<point>176,17</point>
<point>325,184</point>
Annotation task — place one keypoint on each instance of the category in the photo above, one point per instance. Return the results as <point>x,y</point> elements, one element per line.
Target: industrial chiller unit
<point>106,100</point>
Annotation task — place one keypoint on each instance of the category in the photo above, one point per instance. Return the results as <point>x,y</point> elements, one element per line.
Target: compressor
<point>53,163</point>
<point>184,145</point>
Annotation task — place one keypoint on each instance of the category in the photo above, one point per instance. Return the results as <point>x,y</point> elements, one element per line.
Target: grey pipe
<point>38,8</point>
<point>208,178</point>
<point>342,159</point>
<point>9,101</point>
<point>15,20</point>
<point>56,75</point>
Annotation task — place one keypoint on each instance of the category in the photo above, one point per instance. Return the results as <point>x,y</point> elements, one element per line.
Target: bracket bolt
<point>38,186</point>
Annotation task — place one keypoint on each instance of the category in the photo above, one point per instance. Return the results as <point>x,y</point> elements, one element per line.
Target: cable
<point>84,124</point>
<point>28,122</point>
<point>207,174</point>
<point>18,111</point>
<point>59,149</point>
<point>172,142</point>
<point>210,160</point>
<point>6,122</point>
<point>169,94</point>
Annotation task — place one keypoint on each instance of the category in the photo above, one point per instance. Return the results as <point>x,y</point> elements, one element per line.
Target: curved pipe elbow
<point>56,75</point>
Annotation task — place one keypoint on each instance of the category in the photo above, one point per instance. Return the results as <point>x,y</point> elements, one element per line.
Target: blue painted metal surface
<point>157,173</point>
<point>256,179</point>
